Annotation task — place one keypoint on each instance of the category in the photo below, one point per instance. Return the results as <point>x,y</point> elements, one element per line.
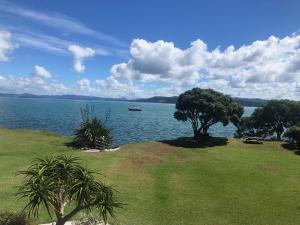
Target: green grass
<point>167,185</point>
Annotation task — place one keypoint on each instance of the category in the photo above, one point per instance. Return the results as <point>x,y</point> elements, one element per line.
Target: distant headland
<point>253,102</point>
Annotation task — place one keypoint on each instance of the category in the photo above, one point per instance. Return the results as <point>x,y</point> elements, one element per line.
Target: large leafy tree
<point>60,181</point>
<point>205,107</point>
<point>276,116</point>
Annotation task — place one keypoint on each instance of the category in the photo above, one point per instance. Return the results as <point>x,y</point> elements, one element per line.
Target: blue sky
<point>146,48</point>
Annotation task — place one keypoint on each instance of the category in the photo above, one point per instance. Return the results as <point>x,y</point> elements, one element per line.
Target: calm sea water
<point>155,122</point>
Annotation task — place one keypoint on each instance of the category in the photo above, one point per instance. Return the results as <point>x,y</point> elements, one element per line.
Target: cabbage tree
<point>55,183</point>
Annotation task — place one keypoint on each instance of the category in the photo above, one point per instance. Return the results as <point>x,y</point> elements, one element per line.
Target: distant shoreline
<point>248,102</point>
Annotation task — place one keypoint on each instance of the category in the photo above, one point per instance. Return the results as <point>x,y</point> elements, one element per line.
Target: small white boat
<point>134,108</point>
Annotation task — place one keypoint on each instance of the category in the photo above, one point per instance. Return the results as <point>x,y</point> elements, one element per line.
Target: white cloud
<point>266,69</point>
<point>79,53</point>
<point>6,46</point>
<point>30,84</point>
<point>41,72</point>
<point>83,85</point>
<point>261,69</point>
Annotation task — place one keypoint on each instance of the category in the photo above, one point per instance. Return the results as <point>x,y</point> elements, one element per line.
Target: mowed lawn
<point>167,185</point>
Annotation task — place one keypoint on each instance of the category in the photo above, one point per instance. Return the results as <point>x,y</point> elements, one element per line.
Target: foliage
<point>92,132</point>
<point>293,134</point>
<point>247,128</point>
<point>12,218</point>
<point>56,182</point>
<point>205,107</point>
<point>272,118</point>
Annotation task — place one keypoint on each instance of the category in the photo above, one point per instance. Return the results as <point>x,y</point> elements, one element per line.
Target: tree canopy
<point>60,181</point>
<point>293,134</point>
<point>205,107</point>
<point>273,118</point>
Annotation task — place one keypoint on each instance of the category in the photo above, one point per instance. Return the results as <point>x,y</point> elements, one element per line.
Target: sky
<point>138,48</point>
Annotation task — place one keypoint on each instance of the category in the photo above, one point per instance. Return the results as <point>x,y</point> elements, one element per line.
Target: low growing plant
<point>92,132</point>
<point>14,218</point>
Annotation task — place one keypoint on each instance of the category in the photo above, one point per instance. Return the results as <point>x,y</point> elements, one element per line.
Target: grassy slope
<point>162,184</point>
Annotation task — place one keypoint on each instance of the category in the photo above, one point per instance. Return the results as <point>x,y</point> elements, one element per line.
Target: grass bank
<point>163,184</point>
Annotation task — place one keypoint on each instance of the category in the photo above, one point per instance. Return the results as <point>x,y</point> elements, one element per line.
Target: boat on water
<point>134,108</point>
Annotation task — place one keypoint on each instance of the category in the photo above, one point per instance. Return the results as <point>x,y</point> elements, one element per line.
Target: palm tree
<point>55,182</point>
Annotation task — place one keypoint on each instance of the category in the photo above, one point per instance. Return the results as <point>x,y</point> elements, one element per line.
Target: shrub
<point>12,218</point>
<point>92,132</point>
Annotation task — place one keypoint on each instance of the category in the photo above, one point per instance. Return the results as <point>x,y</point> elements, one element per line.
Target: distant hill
<point>158,99</point>
<point>74,97</point>
<point>255,102</point>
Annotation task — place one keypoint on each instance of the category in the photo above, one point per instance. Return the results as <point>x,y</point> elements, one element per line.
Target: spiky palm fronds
<point>55,182</point>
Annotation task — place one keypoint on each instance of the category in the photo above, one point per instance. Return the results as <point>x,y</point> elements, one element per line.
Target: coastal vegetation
<point>206,107</point>
<point>92,132</point>
<point>227,184</point>
<point>14,218</point>
<point>189,180</point>
<point>59,181</point>
<point>273,118</point>
<point>293,135</point>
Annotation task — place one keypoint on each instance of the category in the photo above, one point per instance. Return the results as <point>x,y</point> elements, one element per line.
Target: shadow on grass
<point>72,144</point>
<point>189,142</point>
<point>291,147</point>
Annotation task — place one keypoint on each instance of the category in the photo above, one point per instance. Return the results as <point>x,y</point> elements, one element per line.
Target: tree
<point>60,181</point>
<point>92,132</point>
<point>205,107</point>
<point>245,128</point>
<point>293,134</point>
<point>276,116</point>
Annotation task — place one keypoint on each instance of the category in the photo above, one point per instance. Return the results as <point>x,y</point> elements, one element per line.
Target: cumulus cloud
<point>262,67</point>
<point>79,53</point>
<point>6,46</point>
<point>30,84</point>
<point>41,72</point>
<point>267,68</point>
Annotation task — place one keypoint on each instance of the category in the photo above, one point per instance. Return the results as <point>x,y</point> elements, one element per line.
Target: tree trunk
<point>61,221</point>
<point>278,134</point>
<point>60,215</point>
<point>196,131</point>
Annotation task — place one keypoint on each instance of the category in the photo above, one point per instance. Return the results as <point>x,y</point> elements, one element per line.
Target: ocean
<point>62,116</point>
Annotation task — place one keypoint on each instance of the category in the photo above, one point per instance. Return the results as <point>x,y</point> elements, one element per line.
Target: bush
<point>10,218</point>
<point>92,132</point>
<point>293,134</point>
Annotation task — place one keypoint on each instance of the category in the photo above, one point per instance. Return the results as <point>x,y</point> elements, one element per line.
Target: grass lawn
<point>162,184</point>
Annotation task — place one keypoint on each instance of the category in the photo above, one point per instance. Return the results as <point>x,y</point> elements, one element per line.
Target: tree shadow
<point>291,147</point>
<point>70,144</point>
<point>189,142</point>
